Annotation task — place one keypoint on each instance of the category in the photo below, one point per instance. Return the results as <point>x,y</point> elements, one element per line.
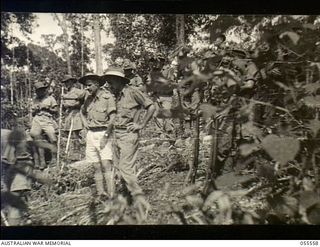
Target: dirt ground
<point>162,167</point>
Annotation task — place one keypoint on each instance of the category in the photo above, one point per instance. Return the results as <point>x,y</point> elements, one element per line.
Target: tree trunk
<point>180,33</point>
<point>193,167</point>
<point>63,24</point>
<point>81,30</point>
<point>29,85</point>
<point>12,82</point>
<point>180,41</point>
<point>97,44</point>
<point>210,176</point>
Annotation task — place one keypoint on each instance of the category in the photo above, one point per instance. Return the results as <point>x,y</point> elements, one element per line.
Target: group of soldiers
<point>110,109</point>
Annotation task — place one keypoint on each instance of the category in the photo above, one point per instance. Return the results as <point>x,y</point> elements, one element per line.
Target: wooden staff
<point>69,136</point>
<point>59,133</point>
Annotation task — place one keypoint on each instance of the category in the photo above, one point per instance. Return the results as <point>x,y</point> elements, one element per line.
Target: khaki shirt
<point>129,102</point>
<point>74,93</point>
<point>46,104</point>
<point>97,108</point>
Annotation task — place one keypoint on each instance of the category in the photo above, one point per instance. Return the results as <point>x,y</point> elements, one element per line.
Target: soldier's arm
<point>150,112</point>
<point>112,117</point>
<point>146,103</point>
<point>83,116</point>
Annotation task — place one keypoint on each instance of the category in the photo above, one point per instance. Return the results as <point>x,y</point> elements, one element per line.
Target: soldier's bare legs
<point>98,178</point>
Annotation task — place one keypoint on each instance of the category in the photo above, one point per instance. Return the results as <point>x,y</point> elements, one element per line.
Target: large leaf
<point>314,126</point>
<point>281,149</point>
<point>312,101</point>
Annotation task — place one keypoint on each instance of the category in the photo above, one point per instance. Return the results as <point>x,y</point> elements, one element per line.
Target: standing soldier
<point>130,73</point>
<point>160,84</point>
<point>98,112</point>
<point>126,129</point>
<point>44,107</point>
<point>72,101</point>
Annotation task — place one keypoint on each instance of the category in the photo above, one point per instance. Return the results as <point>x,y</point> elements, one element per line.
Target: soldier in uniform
<point>126,129</point>
<point>246,69</point>
<point>130,73</point>
<point>44,107</point>
<point>16,154</point>
<point>161,80</point>
<point>98,112</point>
<point>72,102</point>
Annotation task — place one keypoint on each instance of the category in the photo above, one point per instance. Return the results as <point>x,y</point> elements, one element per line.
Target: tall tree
<point>63,24</point>
<point>97,43</point>
<point>141,37</point>
<point>79,42</point>
<point>180,29</point>
<point>24,21</point>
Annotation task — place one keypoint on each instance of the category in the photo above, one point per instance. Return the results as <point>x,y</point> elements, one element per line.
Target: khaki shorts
<point>44,124</point>
<point>93,152</point>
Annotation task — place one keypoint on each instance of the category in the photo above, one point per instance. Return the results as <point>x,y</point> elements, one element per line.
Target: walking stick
<point>69,136</point>
<point>59,133</point>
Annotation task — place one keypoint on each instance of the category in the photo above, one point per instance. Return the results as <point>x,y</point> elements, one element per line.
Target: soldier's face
<point>92,86</point>
<point>41,92</point>
<point>69,84</point>
<point>116,84</point>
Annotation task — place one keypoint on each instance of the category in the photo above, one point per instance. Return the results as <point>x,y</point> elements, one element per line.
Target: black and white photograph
<point>159,119</point>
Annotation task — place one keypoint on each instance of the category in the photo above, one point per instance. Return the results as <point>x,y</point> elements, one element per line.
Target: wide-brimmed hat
<point>112,72</point>
<point>129,65</point>
<point>40,84</point>
<point>68,78</point>
<point>86,77</point>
